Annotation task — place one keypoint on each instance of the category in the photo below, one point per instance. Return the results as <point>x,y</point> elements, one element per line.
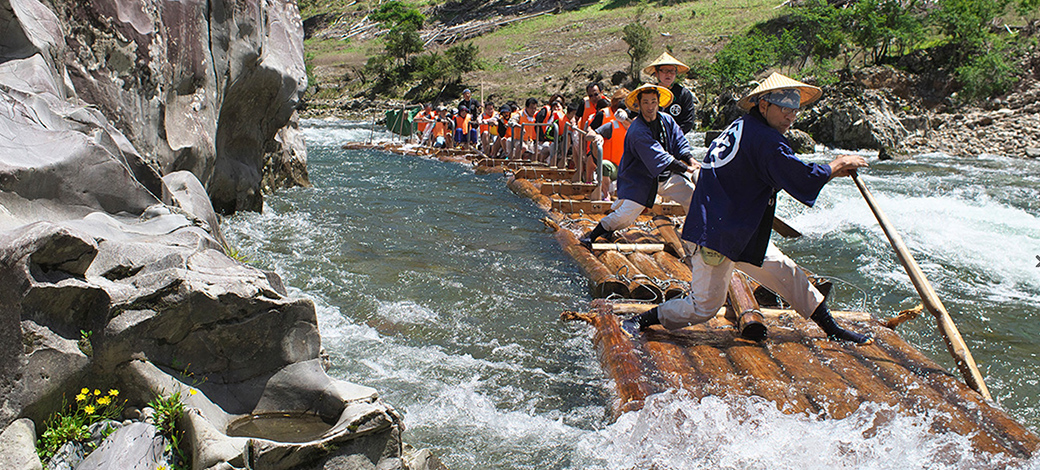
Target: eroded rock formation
<point>124,123</point>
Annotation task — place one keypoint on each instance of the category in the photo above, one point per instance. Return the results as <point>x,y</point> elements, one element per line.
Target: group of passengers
<point>638,139</point>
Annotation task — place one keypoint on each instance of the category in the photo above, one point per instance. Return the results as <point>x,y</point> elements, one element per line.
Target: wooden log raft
<point>639,285</point>
<point>801,371</point>
<point>527,189</point>
<point>568,189</point>
<point>604,283</point>
<point>545,173</point>
<point>666,230</point>
<point>670,286</point>
<point>750,323</point>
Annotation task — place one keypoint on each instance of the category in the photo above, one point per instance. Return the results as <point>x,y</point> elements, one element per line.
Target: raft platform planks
<point>795,366</point>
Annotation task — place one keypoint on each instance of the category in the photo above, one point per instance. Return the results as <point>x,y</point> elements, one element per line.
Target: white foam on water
<point>407,311</point>
<point>334,133</point>
<point>955,232</point>
<point>677,431</point>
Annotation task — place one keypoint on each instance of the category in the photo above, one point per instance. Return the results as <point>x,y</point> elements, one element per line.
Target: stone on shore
<point>18,446</point>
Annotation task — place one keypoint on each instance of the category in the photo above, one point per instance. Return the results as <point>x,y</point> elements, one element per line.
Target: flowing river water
<point>442,289</point>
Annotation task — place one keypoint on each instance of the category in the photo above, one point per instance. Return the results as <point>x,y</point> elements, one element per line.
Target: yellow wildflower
<point>104,401</point>
<point>113,392</point>
<point>89,409</point>
<point>81,397</point>
<point>85,391</point>
<point>97,392</point>
<point>192,392</point>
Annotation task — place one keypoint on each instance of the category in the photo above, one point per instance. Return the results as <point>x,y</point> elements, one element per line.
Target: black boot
<point>590,237</point>
<point>822,317</point>
<point>636,324</point>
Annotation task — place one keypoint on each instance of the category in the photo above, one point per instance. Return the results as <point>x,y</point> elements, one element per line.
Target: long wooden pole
<point>954,343</point>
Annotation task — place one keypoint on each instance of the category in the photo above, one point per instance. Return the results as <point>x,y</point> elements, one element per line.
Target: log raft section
<point>795,366</point>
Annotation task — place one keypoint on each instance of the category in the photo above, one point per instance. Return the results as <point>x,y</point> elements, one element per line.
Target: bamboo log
<point>628,247</point>
<point>672,242</point>
<point>954,343</point>
<point>639,285</point>
<point>568,189</point>
<point>645,263</point>
<point>673,266</point>
<point>750,322</point>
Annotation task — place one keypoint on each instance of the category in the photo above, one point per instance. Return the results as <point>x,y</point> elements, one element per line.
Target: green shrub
<point>987,74</point>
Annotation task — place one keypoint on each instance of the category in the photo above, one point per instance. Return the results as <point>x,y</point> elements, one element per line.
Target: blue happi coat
<point>733,204</point>
<point>645,159</point>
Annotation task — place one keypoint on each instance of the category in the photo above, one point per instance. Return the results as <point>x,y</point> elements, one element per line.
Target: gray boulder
<point>138,446</point>
<point>855,118</point>
<point>18,446</point>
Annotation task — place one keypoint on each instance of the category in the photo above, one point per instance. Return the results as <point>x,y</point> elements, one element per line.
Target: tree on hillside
<point>394,67</point>
<point>638,38</point>
<point>878,25</point>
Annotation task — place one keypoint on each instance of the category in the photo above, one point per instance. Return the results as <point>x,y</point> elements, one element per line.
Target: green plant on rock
<point>168,411</point>
<point>73,423</point>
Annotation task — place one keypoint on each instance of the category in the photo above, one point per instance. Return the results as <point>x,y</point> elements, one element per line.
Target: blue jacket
<point>645,159</point>
<point>733,203</point>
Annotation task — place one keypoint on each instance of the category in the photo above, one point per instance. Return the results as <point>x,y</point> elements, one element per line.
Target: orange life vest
<point>462,123</point>
<point>530,132</point>
<point>615,145</point>
<point>427,116</point>
<point>439,129</point>
<point>590,110</point>
<point>484,127</point>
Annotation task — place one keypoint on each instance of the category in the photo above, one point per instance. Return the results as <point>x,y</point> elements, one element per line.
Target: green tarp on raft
<point>394,124</point>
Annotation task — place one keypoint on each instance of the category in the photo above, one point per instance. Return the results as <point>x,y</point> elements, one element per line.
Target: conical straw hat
<point>777,81</point>
<point>664,96</point>
<point>666,59</point>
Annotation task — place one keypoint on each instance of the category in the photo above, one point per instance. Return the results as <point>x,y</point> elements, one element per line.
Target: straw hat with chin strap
<point>666,59</point>
<point>776,82</point>
<point>664,96</point>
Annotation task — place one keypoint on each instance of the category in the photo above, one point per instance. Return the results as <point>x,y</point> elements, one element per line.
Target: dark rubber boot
<point>822,317</point>
<point>590,237</point>
<point>635,325</point>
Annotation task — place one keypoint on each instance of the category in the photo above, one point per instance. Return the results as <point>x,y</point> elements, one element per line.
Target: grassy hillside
<point>552,53</point>
<point>540,47</point>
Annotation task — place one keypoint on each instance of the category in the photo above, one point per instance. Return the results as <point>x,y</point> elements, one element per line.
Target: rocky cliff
<point>124,124</point>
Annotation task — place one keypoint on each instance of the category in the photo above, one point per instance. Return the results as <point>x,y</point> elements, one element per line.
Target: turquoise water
<point>442,289</point>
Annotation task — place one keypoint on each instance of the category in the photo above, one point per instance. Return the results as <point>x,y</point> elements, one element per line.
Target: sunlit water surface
<point>442,289</point>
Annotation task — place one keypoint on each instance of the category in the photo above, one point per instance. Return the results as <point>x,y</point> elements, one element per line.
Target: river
<point>442,289</point>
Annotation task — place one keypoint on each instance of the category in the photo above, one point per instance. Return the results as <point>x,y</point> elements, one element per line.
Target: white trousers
<point>710,285</point>
<point>625,211</point>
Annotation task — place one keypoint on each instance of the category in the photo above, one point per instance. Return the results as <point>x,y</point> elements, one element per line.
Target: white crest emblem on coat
<point>724,148</point>
<point>674,109</point>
